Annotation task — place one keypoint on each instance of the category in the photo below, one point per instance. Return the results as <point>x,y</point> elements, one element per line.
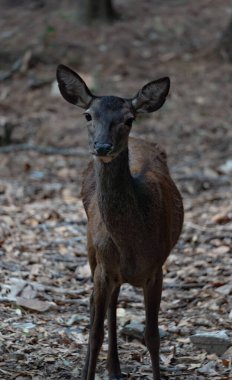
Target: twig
<point>195,226</point>
<point>80,152</point>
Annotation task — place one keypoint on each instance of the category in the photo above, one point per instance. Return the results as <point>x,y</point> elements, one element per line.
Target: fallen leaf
<point>34,304</point>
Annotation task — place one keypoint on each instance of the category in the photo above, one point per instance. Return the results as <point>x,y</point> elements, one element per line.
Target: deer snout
<point>102,149</point>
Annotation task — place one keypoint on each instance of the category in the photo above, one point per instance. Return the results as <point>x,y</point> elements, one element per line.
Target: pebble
<point>213,342</point>
<point>225,289</point>
<point>226,168</point>
<point>136,330</point>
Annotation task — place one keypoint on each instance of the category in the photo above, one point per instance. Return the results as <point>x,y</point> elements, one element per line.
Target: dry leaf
<point>35,304</point>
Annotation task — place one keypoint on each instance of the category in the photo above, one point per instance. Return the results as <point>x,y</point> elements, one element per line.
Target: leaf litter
<point>45,281</point>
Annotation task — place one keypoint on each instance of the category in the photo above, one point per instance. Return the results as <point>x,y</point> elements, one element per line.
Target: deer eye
<point>88,117</point>
<point>129,121</point>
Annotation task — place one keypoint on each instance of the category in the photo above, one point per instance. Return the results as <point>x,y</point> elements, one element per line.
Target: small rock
<point>162,333</point>
<point>102,48</point>
<point>226,168</point>
<point>83,271</point>
<point>136,330</point>
<point>200,100</point>
<point>74,319</point>
<point>25,326</point>
<point>213,342</point>
<point>121,312</point>
<point>208,369</point>
<point>18,356</point>
<point>225,289</point>
<point>37,175</point>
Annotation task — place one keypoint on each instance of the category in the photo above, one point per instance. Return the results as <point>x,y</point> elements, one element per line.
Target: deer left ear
<point>152,96</point>
<point>72,87</point>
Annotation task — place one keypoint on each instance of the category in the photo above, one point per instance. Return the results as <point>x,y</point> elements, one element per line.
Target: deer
<point>134,212</point>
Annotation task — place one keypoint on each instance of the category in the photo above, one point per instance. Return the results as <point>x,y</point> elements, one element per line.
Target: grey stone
<point>213,342</point>
<point>226,167</point>
<point>225,289</point>
<point>136,330</point>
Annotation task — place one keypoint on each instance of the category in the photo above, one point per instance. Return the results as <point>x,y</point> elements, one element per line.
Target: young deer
<point>134,211</point>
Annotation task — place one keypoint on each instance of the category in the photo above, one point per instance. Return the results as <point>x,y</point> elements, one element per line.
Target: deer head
<point>109,118</point>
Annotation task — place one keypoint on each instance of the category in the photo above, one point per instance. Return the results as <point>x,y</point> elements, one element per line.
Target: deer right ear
<point>72,87</point>
<point>152,96</point>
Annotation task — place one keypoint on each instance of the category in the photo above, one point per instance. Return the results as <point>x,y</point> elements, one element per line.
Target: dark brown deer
<point>134,211</point>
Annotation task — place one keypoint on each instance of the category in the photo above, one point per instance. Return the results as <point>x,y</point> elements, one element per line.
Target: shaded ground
<point>42,224</point>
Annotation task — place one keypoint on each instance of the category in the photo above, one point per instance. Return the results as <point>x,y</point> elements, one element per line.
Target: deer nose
<point>102,149</point>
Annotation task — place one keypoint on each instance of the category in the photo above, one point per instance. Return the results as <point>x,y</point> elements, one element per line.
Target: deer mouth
<point>106,159</point>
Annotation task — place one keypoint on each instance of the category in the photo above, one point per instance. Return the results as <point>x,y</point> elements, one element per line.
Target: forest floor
<point>45,280</point>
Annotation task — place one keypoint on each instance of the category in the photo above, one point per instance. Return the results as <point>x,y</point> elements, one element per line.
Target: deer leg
<point>101,296</point>
<point>86,367</point>
<point>93,264</point>
<point>112,359</point>
<point>152,297</point>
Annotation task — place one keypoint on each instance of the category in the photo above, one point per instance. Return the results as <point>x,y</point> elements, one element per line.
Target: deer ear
<point>152,96</point>
<point>72,87</point>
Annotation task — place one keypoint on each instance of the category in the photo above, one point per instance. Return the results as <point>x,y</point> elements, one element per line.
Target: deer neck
<point>113,179</point>
<point>125,206</point>
<point>115,191</point>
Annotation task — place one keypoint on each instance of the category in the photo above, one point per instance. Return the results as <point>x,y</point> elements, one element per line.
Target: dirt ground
<point>44,279</point>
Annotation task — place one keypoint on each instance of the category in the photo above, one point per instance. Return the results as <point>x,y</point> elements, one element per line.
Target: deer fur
<point>134,211</point>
